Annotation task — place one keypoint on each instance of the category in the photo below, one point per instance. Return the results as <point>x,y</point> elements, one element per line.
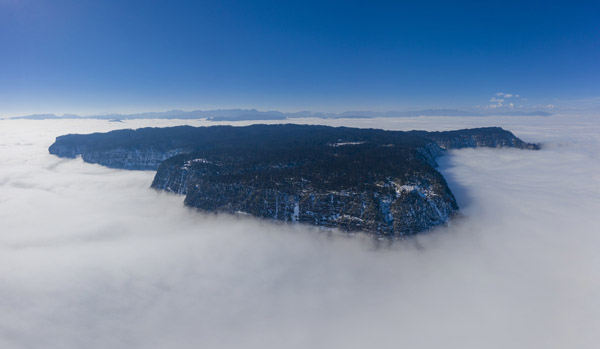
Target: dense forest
<point>381,182</point>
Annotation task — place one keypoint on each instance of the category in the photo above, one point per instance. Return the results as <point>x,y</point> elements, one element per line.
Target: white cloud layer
<point>92,258</point>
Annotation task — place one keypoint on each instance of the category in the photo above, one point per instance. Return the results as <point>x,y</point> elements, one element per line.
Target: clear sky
<point>105,56</point>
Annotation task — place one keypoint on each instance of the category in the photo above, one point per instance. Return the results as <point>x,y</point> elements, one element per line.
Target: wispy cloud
<point>503,100</point>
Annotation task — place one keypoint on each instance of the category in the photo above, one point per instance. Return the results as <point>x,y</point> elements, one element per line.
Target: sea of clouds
<point>91,257</point>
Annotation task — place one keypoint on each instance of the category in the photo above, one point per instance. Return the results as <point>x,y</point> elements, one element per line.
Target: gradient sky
<point>105,56</point>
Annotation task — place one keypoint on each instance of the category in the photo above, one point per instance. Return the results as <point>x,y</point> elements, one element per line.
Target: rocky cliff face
<point>380,182</point>
<point>120,157</point>
<point>123,149</point>
<point>391,209</point>
<point>394,203</point>
<point>492,137</point>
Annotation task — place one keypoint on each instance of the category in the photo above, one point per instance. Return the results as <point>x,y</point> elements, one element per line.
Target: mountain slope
<point>380,182</point>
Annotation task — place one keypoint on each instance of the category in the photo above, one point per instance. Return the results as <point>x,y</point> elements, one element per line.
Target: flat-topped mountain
<point>376,181</point>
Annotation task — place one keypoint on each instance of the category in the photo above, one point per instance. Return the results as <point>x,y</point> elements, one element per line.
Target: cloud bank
<point>92,258</point>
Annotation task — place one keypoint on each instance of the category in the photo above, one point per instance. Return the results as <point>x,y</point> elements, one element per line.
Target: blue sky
<point>106,56</point>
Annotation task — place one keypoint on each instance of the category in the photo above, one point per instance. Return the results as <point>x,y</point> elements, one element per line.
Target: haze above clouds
<point>92,258</point>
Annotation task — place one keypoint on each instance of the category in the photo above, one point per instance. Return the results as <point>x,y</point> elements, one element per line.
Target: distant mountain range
<point>253,114</point>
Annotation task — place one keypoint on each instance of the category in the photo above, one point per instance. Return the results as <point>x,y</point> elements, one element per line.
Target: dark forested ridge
<point>380,182</point>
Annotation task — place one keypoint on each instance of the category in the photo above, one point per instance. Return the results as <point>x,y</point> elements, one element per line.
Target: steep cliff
<point>384,189</point>
<point>380,182</point>
<point>493,137</point>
